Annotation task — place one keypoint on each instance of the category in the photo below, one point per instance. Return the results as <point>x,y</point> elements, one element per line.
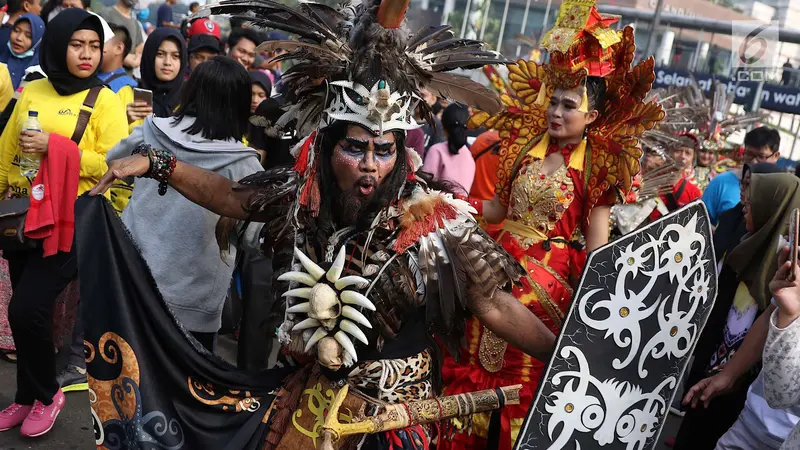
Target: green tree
<point>456,19</point>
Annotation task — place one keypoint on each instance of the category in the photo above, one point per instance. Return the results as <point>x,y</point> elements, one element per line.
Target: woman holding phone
<point>163,63</point>
<point>724,375</point>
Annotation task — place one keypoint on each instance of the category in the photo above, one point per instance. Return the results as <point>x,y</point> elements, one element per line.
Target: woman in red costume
<point>569,150</point>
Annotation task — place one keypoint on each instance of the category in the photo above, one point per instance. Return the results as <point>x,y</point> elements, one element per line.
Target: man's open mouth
<point>366,186</point>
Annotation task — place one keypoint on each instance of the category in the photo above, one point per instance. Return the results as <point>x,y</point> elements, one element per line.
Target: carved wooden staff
<point>402,415</point>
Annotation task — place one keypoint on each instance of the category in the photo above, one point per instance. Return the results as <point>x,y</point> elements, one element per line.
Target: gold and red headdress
<point>581,45</point>
<point>582,39</point>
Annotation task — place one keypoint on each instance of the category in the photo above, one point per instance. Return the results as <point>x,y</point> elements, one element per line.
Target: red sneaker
<point>42,418</point>
<point>13,416</point>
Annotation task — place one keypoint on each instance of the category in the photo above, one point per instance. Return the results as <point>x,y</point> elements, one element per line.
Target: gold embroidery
<point>492,351</point>
<point>233,400</point>
<point>318,405</point>
<point>702,176</point>
<point>541,296</point>
<point>538,200</point>
<point>550,270</point>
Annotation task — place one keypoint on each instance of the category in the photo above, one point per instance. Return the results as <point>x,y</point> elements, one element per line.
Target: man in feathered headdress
<point>371,259</point>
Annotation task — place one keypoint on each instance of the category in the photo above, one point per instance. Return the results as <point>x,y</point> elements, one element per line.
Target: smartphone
<point>794,228</point>
<point>143,95</point>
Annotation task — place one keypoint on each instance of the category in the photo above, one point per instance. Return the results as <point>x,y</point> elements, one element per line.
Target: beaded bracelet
<point>162,164</point>
<point>141,149</point>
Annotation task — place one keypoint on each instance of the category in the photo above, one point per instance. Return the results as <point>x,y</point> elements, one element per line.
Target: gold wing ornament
<point>614,150</point>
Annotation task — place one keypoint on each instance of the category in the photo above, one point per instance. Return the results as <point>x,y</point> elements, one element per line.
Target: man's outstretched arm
<point>208,189</point>
<point>506,317</point>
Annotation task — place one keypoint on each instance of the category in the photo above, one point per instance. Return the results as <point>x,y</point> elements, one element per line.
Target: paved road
<point>73,429</point>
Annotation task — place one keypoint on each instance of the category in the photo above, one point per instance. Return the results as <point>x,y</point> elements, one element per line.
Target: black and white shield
<point>632,326</point>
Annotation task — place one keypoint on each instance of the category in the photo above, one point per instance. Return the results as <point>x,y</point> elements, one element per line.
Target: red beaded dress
<point>543,231</point>
<point>548,214</point>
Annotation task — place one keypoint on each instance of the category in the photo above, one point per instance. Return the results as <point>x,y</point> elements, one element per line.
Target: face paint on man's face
<point>360,163</point>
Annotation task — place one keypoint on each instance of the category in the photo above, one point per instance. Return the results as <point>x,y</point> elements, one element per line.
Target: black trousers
<point>207,340</point>
<point>701,428</point>
<point>258,323</point>
<point>36,283</point>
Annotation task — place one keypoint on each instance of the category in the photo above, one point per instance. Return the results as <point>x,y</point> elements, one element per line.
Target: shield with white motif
<point>632,326</point>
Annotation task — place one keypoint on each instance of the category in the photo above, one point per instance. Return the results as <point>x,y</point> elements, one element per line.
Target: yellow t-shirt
<point>59,114</point>
<point>120,190</point>
<point>6,87</point>
<point>125,95</point>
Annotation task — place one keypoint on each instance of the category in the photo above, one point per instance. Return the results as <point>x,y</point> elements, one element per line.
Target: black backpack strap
<point>115,77</point>
<point>85,114</point>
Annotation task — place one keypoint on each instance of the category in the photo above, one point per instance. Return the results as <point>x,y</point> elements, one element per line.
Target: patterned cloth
<point>151,385</point>
<point>781,371</point>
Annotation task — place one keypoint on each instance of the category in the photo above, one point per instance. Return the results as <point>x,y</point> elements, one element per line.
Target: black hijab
<point>260,78</point>
<point>166,94</point>
<point>731,228</point>
<point>53,50</point>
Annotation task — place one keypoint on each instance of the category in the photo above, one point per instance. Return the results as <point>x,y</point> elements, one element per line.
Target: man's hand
<point>33,141</point>
<point>138,110</point>
<point>133,60</point>
<point>132,166</point>
<point>708,388</point>
<point>506,317</point>
<point>786,293</point>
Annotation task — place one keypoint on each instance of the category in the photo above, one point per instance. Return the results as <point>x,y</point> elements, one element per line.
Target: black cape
<point>151,384</point>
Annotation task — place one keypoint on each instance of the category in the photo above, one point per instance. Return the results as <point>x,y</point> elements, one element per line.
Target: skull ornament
<point>329,353</point>
<point>325,306</point>
<point>330,305</point>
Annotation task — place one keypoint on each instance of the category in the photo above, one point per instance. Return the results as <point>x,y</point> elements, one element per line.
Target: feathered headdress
<point>689,110</point>
<point>360,64</point>
<point>581,45</point>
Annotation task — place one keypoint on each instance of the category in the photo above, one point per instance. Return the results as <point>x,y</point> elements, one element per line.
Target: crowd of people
<point>70,61</point>
<point>211,150</point>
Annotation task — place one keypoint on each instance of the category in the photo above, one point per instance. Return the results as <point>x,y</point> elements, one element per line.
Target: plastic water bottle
<point>29,162</point>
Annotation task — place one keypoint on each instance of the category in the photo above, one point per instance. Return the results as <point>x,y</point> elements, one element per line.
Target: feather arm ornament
<point>456,259</point>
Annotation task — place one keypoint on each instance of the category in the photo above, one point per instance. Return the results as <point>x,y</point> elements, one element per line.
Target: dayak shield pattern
<point>632,326</point>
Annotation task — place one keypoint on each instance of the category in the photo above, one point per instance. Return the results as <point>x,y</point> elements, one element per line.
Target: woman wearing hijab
<point>261,89</point>
<point>71,53</point>
<point>728,351</point>
<point>22,49</point>
<point>163,63</point>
